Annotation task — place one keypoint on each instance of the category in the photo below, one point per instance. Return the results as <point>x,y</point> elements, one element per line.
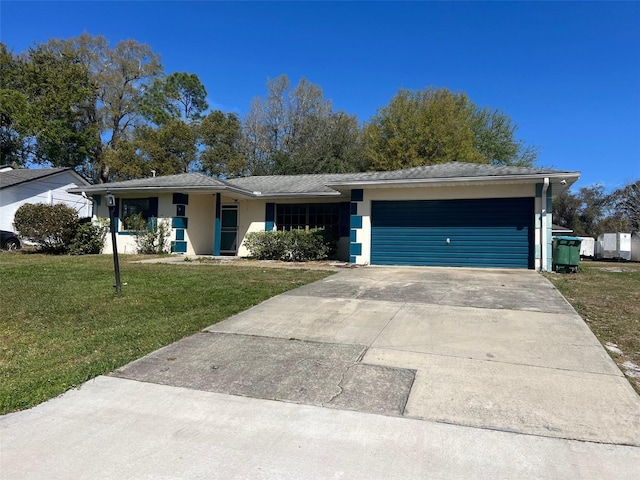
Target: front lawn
<point>607,296</point>
<point>61,322</point>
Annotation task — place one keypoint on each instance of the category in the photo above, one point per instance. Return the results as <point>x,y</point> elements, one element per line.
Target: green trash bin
<point>566,253</point>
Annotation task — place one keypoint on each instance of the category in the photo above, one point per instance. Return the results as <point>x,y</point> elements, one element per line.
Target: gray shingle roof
<point>453,170</point>
<point>183,180</point>
<point>321,184</point>
<point>10,178</point>
<point>295,184</point>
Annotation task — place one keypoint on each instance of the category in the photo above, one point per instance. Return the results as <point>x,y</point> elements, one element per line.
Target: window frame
<point>125,214</point>
<point>306,216</point>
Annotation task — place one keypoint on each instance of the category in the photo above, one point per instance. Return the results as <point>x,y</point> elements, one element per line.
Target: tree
<point>566,208</point>
<point>48,103</point>
<point>167,150</point>
<point>589,213</point>
<point>14,129</point>
<point>180,96</point>
<point>627,204</point>
<point>434,126</point>
<point>122,74</point>
<point>221,138</point>
<point>295,130</point>
<point>494,138</point>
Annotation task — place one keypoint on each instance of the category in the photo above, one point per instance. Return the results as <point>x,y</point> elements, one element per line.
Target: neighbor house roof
<point>337,184</point>
<point>13,177</point>
<point>558,229</point>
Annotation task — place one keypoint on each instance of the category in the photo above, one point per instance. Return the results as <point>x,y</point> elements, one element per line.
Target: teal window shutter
<point>270,217</point>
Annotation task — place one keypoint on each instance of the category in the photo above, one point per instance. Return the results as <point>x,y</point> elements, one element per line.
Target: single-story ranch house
<point>453,214</point>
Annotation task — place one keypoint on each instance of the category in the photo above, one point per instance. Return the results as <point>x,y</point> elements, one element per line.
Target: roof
<point>332,184</point>
<point>11,178</point>
<point>290,184</point>
<point>180,182</point>
<point>456,171</point>
<point>560,229</point>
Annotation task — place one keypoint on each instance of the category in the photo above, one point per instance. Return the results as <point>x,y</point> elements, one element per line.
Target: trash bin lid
<point>568,238</point>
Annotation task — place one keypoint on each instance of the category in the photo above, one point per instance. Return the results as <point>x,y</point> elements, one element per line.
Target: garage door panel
<point>481,233</point>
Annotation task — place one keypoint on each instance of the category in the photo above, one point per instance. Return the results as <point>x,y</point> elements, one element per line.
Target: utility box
<point>635,247</point>
<point>614,246</point>
<point>587,247</point>
<point>566,253</point>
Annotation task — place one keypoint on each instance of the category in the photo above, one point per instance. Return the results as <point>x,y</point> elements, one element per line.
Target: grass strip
<point>61,322</point>
<point>607,297</point>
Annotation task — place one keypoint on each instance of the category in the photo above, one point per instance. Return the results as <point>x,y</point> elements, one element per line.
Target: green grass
<point>607,296</point>
<point>61,322</point>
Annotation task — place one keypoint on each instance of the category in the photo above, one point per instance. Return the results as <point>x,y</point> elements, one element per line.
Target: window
<point>135,211</point>
<point>308,216</point>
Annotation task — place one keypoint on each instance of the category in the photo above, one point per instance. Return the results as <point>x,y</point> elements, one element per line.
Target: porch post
<point>217,227</point>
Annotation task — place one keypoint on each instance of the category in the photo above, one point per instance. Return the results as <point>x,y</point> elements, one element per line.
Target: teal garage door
<point>494,232</point>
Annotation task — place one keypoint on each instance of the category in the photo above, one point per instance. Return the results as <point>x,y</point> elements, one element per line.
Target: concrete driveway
<point>370,373</point>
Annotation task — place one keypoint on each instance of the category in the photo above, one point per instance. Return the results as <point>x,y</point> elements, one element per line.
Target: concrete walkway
<point>371,373</point>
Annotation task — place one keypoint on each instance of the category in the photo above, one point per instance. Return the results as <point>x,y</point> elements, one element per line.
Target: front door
<point>229,230</point>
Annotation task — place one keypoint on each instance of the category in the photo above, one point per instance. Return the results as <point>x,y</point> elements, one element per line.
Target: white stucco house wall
<point>39,185</point>
<point>453,214</point>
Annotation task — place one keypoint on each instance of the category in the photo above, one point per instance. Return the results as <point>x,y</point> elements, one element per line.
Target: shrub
<point>150,236</point>
<point>291,246</point>
<point>89,239</point>
<point>51,227</point>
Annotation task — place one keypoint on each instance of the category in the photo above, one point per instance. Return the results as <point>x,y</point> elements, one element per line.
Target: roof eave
<point>155,189</point>
<point>334,194</point>
<point>566,179</point>
<point>81,179</point>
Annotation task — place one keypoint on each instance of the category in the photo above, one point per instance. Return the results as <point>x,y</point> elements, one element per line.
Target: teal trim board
<point>179,234</point>
<point>357,195</point>
<point>344,219</point>
<point>179,222</point>
<point>179,247</point>
<point>352,259</point>
<point>180,198</point>
<point>269,217</point>
<point>356,221</point>
<point>355,249</point>
<point>217,232</point>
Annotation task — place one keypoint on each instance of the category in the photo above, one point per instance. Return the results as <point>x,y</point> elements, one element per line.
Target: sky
<point>567,73</point>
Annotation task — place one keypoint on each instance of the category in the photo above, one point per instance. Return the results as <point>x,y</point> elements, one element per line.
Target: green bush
<point>56,229</point>
<point>89,239</point>
<point>291,246</point>
<point>266,245</point>
<point>51,227</point>
<point>150,236</point>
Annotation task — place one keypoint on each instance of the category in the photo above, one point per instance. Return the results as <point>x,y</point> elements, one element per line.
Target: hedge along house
<point>454,214</point>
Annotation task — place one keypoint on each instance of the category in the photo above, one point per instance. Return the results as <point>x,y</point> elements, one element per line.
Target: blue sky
<point>568,73</point>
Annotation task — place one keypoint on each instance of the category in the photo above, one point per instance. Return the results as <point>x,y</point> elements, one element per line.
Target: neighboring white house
<point>453,214</point>
<point>39,185</point>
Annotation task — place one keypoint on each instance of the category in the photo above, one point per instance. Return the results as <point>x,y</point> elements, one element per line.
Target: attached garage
<point>461,233</point>
<point>452,214</point>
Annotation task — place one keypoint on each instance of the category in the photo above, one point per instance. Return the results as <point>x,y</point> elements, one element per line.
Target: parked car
<point>9,240</point>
